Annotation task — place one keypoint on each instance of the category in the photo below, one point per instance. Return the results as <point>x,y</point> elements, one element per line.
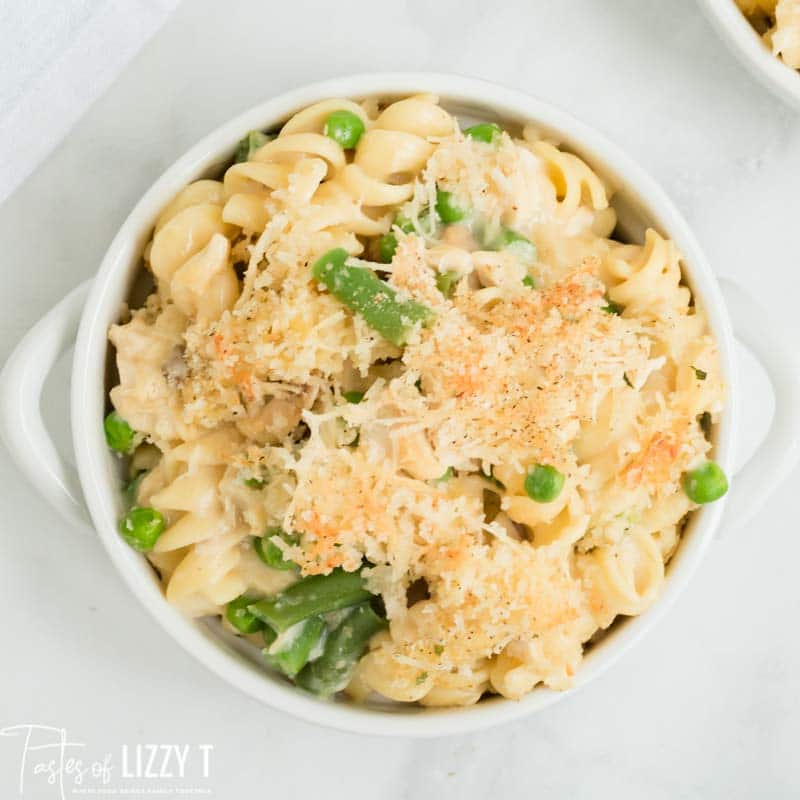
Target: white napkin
<point>56,58</point>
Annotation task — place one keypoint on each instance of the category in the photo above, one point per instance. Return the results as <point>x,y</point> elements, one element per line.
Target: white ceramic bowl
<point>749,47</point>
<point>639,202</point>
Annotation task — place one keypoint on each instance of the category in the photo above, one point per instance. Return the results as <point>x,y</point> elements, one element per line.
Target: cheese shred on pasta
<point>557,345</point>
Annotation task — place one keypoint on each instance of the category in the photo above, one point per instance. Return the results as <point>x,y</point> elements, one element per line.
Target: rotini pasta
<point>778,23</point>
<point>402,411</point>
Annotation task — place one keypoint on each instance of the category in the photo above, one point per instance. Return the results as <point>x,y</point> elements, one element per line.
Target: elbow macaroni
<point>236,366</point>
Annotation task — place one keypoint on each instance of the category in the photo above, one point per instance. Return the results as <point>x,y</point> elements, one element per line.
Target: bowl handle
<point>21,424</point>
<point>780,450</point>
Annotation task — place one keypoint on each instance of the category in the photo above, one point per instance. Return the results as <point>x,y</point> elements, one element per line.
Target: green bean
<point>448,209</point>
<point>705,484</point>
<point>543,483</point>
<point>131,489</point>
<point>345,645</point>
<point>291,651</point>
<point>311,596</point>
<point>270,553</point>
<point>612,308</point>
<point>249,144</point>
<point>353,397</point>
<point>120,437</point>
<point>344,127</point>
<point>446,282</point>
<point>237,614</point>
<point>705,423</point>
<point>365,294</point>
<point>486,132</point>
<point>254,483</point>
<point>141,527</point>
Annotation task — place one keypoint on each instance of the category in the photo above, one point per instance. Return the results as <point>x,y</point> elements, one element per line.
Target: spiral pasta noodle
<point>778,23</point>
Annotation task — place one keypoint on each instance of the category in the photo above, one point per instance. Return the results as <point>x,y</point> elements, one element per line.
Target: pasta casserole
<point>778,23</point>
<point>403,412</point>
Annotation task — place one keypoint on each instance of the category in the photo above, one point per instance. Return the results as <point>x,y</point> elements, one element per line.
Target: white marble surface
<point>709,705</point>
<point>58,58</point>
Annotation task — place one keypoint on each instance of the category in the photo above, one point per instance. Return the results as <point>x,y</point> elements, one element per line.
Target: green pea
<point>405,224</point>
<point>345,128</point>
<point>705,484</point>
<point>523,249</point>
<point>447,208</point>
<point>387,244</point>
<point>487,132</point>
<point>353,397</point>
<point>120,437</point>
<point>426,223</point>
<point>528,281</point>
<point>543,483</point>
<point>237,614</point>
<point>141,527</point>
<point>270,553</point>
<point>249,144</point>
<point>446,282</point>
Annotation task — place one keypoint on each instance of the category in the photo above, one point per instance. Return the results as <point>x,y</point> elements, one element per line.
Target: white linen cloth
<point>56,58</point>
